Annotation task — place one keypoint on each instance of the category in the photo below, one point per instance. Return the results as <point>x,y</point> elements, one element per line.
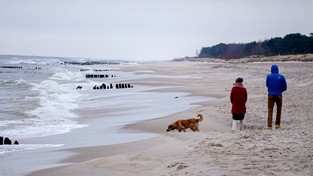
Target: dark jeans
<point>271,102</point>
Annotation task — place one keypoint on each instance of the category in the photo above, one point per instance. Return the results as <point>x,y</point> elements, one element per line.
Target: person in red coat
<point>238,99</point>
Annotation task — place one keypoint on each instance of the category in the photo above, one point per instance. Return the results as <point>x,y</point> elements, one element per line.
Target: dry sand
<point>215,150</point>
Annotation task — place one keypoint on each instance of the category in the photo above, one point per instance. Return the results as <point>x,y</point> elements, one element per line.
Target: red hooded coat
<point>238,98</point>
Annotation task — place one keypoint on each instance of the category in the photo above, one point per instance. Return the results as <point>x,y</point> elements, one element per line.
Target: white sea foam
<point>68,76</point>
<point>7,149</point>
<point>54,94</point>
<point>22,60</point>
<point>6,123</point>
<point>12,82</point>
<point>54,113</point>
<point>39,128</point>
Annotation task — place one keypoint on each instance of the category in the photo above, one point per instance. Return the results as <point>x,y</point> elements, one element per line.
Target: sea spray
<point>54,114</point>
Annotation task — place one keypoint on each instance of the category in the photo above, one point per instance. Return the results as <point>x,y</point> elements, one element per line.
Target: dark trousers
<point>272,100</point>
<point>238,116</point>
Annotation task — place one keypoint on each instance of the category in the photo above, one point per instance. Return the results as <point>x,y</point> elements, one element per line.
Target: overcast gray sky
<point>143,29</point>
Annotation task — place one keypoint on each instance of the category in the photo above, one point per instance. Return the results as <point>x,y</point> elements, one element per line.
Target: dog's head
<point>170,127</point>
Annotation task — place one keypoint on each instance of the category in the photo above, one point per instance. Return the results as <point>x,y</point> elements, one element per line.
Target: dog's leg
<point>181,127</point>
<point>194,127</point>
<point>197,128</point>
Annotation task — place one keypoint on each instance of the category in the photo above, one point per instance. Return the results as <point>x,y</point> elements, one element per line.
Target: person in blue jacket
<point>276,85</point>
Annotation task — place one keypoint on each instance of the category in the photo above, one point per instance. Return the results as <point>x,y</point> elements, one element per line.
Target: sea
<point>47,96</point>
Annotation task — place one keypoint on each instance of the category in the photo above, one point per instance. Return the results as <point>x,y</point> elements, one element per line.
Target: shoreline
<point>254,151</point>
<point>89,136</point>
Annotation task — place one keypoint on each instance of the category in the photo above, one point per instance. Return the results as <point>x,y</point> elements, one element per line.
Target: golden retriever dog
<point>182,125</point>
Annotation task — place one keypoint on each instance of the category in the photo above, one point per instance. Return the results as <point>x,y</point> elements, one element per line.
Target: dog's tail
<point>201,117</point>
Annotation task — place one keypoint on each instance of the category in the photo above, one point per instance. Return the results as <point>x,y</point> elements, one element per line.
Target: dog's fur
<point>182,125</point>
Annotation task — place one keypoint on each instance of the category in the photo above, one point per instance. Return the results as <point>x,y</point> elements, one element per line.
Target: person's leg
<point>234,125</point>
<point>279,103</point>
<point>241,125</point>
<point>270,104</point>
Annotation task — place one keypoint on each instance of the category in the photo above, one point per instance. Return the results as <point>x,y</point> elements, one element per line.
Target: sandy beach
<point>215,150</point>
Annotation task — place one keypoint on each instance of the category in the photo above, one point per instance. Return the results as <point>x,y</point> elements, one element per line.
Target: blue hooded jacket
<point>275,82</point>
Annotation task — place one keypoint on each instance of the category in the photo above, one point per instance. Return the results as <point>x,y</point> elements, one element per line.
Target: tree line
<point>295,43</point>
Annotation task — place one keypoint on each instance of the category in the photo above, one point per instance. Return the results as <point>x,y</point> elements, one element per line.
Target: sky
<point>144,29</point>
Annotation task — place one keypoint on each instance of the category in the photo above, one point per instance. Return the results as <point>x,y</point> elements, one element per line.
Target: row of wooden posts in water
<point>7,141</point>
<point>110,86</point>
<point>14,67</point>
<point>106,86</point>
<point>99,76</point>
<point>97,70</point>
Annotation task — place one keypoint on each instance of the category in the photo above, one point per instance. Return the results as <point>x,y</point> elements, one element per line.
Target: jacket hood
<point>240,85</point>
<point>274,69</point>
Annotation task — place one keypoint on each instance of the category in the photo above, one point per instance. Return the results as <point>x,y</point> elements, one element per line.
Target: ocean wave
<point>68,75</point>
<point>49,112</point>
<point>40,128</point>
<point>18,60</point>
<point>7,149</point>
<point>18,83</point>
<point>56,101</point>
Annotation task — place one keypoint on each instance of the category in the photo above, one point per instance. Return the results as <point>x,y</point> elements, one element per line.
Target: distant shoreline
<point>278,58</point>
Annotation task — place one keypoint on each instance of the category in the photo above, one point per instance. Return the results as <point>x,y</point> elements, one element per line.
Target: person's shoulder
<point>281,75</point>
<point>270,76</point>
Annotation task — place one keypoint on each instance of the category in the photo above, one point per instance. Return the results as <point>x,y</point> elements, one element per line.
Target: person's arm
<point>231,96</point>
<point>284,85</point>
